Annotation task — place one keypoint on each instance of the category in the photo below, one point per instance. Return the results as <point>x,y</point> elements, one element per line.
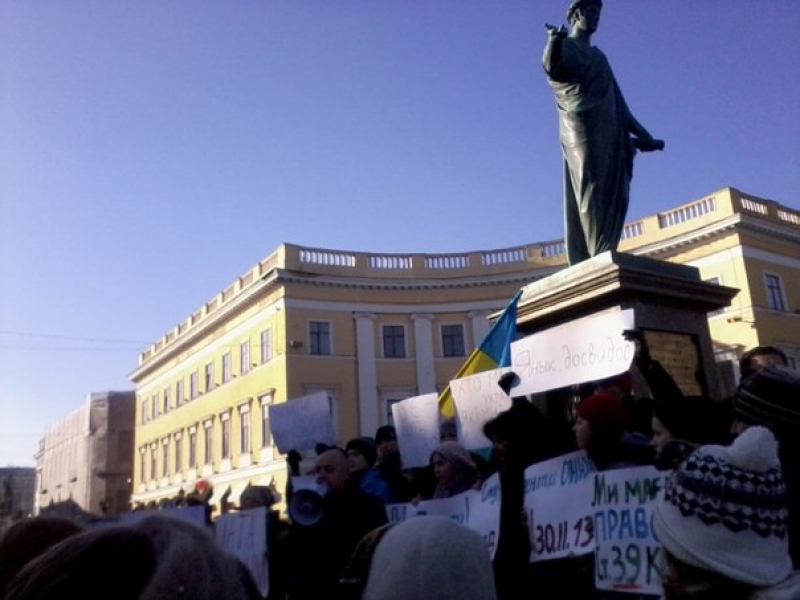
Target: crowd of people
<point>727,521</point>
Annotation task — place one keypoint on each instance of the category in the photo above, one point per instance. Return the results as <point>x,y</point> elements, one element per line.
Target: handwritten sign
<point>627,555</point>
<point>244,534</point>
<point>478,399</point>
<point>576,352</point>
<point>416,422</point>
<point>302,423</point>
<point>558,495</point>
<point>477,509</point>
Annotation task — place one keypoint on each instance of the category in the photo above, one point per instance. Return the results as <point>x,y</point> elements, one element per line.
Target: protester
<point>390,465</point>
<point>770,397</point>
<point>423,558</point>
<point>760,357</point>
<point>722,523</point>
<point>158,558</point>
<point>454,470</point>
<point>362,452</point>
<point>601,422</point>
<point>26,539</point>
<point>320,551</point>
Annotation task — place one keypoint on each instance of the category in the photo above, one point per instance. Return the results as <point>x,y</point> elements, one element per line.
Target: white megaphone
<point>305,507</point>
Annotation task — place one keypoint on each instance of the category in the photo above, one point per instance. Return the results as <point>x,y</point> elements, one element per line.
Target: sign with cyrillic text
<point>558,495</point>
<point>477,509</point>
<point>478,399</point>
<point>583,350</point>
<point>244,534</point>
<point>627,556</point>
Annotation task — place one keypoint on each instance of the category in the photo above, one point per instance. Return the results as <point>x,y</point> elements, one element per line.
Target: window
<point>145,413</point>
<point>244,429</point>
<point>208,441</point>
<point>394,341</point>
<point>165,400</point>
<point>179,393</point>
<point>775,298</point>
<point>320,337</point>
<point>178,453</point>
<point>142,474</point>
<point>227,369</point>
<point>154,405</point>
<point>266,345</point>
<point>193,386</point>
<point>165,457</point>
<point>153,461</point>
<point>244,357</point>
<point>193,448</point>
<point>453,340</point>
<point>266,432</point>
<point>209,377</point>
<point>225,423</point>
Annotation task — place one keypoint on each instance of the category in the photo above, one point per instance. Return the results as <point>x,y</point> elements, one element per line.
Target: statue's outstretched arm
<point>551,59</point>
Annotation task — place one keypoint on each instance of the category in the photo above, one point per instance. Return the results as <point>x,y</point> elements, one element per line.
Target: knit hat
<point>455,453</point>
<point>725,510</point>
<point>385,433</point>
<point>606,414</point>
<point>366,447</point>
<point>430,557</point>
<point>771,397</point>
<point>157,558</point>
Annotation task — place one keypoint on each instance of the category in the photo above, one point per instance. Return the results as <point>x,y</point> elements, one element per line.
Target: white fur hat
<point>430,557</point>
<point>725,510</point>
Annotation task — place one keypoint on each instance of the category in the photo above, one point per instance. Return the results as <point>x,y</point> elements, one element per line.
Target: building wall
<point>296,292</point>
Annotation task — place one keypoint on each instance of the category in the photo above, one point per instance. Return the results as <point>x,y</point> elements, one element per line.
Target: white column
<point>480,327</point>
<point>423,350</point>
<point>367,373</point>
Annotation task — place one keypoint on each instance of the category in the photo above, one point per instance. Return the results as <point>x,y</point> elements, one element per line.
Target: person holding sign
<point>454,470</point>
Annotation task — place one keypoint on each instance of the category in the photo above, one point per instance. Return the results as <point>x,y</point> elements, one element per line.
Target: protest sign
<point>576,352</point>
<point>477,509</point>
<point>478,399</point>
<point>558,495</point>
<point>244,534</point>
<point>416,421</point>
<point>627,554</point>
<point>302,423</point>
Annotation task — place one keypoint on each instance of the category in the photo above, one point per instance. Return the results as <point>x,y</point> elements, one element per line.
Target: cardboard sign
<point>302,423</point>
<point>244,534</point>
<point>478,399</point>
<point>558,494</point>
<point>416,421</point>
<point>627,556</point>
<point>477,509</point>
<point>583,350</point>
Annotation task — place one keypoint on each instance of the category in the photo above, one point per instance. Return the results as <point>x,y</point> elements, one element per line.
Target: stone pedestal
<point>670,304</point>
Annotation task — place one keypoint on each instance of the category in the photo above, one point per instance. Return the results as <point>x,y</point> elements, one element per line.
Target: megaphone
<point>305,507</point>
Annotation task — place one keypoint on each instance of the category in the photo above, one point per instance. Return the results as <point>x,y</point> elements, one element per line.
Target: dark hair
<point>746,361</point>
<point>577,5</point>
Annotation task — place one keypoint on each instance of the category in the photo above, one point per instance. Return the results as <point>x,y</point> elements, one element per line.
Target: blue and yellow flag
<point>494,352</point>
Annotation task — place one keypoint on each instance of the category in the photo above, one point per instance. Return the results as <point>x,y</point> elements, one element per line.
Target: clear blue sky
<point>152,151</point>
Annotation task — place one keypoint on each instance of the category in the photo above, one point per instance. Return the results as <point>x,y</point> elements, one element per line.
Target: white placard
<point>558,497</point>
<point>583,350</point>
<point>627,557</point>
<point>302,423</point>
<point>477,509</point>
<point>244,534</point>
<point>416,421</point>
<point>478,399</point>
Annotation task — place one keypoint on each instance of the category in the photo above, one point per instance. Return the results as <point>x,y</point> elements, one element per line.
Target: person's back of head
<point>770,397</point>
<point>760,357</point>
<point>157,558</point>
<point>430,557</point>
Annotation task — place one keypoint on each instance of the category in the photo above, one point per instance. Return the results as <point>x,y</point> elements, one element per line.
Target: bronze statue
<point>599,135</point>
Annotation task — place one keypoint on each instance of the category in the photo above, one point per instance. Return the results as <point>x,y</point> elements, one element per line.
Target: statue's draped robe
<point>598,152</point>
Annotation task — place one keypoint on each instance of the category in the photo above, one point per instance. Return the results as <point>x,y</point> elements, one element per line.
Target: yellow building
<point>371,329</point>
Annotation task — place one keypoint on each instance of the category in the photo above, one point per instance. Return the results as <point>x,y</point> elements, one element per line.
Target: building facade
<point>86,458</point>
<point>17,485</point>
<point>372,329</point>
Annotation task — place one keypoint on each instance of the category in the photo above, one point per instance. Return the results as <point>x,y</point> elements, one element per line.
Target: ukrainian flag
<point>493,353</point>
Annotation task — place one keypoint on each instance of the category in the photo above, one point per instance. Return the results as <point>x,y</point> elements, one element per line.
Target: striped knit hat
<point>725,510</point>
<point>770,397</point>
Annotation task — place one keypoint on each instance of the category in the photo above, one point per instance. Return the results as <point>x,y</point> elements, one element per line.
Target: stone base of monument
<point>670,303</point>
